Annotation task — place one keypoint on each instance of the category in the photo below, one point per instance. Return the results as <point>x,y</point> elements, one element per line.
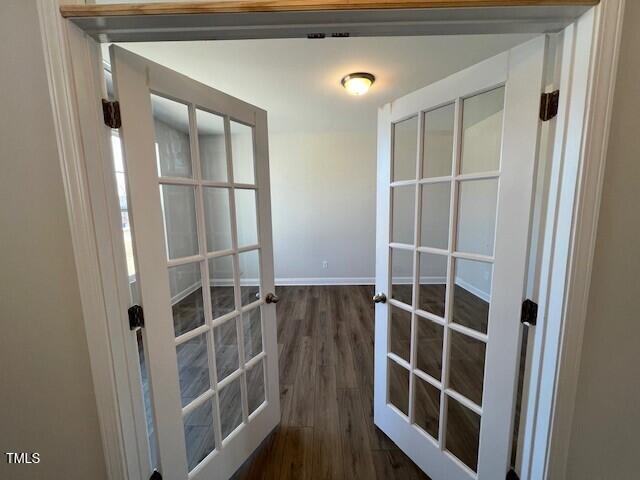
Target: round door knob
<point>271,298</point>
<point>380,298</point>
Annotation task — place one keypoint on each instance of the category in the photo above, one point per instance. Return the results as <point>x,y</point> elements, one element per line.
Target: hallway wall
<point>47,401</point>
<point>323,192</point>
<point>604,441</point>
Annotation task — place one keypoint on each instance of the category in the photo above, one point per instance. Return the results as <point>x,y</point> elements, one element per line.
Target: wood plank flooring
<point>326,350</point>
<point>325,335</point>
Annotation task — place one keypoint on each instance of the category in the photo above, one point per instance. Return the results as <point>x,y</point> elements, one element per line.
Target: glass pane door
<point>203,244</point>
<point>455,173</point>
<point>211,236</point>
<point>443,229</point>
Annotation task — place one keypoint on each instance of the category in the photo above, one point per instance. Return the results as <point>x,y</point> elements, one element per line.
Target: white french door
<point>456,162</point>
<point>198,185</point>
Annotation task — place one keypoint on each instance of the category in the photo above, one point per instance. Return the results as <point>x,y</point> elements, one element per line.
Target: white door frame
<point>74,70</point>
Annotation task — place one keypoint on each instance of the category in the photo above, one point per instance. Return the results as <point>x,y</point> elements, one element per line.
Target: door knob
<point>380,298</point>
<point>271,298</point>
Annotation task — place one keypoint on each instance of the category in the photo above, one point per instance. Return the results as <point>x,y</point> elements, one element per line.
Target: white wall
<point>323,201</point>
<point>47,402</point>
<point>606,424</point>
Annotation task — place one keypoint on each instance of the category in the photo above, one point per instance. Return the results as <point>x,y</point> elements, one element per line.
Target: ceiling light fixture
<point>358,83</point>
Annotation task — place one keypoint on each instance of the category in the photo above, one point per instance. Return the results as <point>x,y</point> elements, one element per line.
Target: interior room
<point>322,157</point>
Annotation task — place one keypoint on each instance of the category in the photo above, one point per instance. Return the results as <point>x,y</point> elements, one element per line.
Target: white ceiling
<point>298,80</point>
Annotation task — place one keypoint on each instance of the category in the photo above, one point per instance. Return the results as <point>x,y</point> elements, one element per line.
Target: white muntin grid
<point>451,255</point>
<point>202,259</point>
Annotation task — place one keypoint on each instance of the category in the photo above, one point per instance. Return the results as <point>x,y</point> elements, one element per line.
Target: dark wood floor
<point>325,337</point>
<point>325,340</point>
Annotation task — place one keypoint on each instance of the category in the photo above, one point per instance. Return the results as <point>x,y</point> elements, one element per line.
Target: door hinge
<point>136,317</point>
<point>549,105</point>
<point>155,475</point>
<point>111,113</point>
<point>529,313</point>
<point>512,475</point>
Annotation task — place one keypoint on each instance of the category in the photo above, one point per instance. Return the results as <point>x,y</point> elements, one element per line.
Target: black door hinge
<point>512,475</point>
<point>111,114</point>
<point>155,475</point>
<point>136,317</point>
<point>529,313</point>
<point>549,105</point>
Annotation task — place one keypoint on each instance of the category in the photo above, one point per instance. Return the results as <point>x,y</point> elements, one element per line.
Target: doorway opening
<point>322,149</point>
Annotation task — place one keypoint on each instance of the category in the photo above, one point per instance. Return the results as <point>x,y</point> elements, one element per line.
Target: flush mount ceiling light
<point>358,83</point>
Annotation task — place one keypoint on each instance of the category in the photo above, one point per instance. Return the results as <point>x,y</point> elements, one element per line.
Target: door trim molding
<point>317,19</point>
<point>112,389</point>
<point>71,60</point>
<point>240,6</point>
<point>583,146</point>
<point>83,234</point>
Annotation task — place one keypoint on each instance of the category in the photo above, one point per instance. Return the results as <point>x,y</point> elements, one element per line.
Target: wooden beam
<point>240,6</point>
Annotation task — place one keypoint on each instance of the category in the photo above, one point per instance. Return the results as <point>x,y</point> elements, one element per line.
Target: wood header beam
<point>240,6</point>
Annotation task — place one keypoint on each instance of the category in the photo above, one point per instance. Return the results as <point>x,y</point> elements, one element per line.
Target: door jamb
<point>580,148</point>
<point>97,246</point>
<point>74,70</point>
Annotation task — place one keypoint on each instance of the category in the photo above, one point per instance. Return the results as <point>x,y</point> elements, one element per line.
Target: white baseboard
<point>218,282</point>
<point>473,290</point>
<point>354,281</point>
<point>326,281</point>
<point>312,281</point>
<point>424,280</point>
<point>185,293</point>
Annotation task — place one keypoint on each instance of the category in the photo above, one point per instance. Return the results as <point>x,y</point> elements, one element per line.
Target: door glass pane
<point>434,219</point>
<point>221,285</point>
<point>146,397</point>
<point>179,212</point>
<point>187,306</point>
<point>230,407</point>
<point>211,143</point>
<point>466,366</point>
<point>252,333</point>
<point>403,211</point>
<point>198,434</point>
<point>398,386</point>
<point>427,406</point>
<point>400,332</point>
<point>246,217</point>
<point>121,184</point>
<point>437,157</point>
<point>193,368</point>
<point>255,386</point>
<point>173,149</point>
<point>482,132</point>
<point>217,218</point>
<point>249,276</point>
<point>433,283</point>
<point>225,337</point>
<point>429,349</point>
<point>402,275</point>
<point>472,294</point>
<point>242,153</point>
<point>405,149</point>
<point>463,433</point>
<point>477,216</point>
